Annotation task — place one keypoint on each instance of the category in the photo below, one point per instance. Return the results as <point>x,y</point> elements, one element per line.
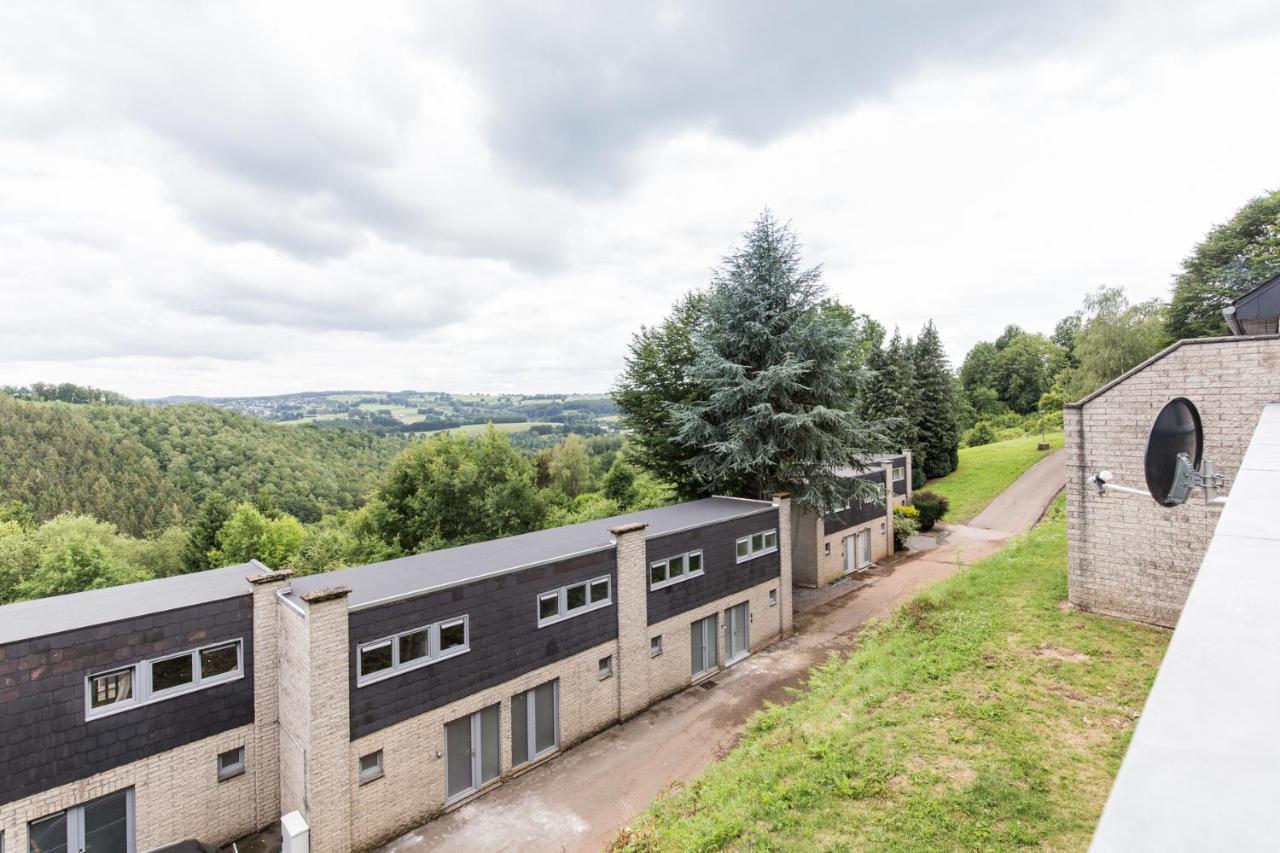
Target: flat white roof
<point>1203,769</point>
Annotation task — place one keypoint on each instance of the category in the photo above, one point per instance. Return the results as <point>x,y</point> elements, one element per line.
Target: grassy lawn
<point>987,471</point>
<point>979,716</point>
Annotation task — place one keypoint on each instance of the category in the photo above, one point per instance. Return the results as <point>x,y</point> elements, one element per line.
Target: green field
<point>475,429</point>
<point>983,715</point>
<point>987,471</point>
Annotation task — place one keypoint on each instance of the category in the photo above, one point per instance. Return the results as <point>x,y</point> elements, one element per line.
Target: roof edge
<point>1138,368</point>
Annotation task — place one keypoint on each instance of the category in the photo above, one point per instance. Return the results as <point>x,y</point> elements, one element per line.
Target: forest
<point>758,382</point>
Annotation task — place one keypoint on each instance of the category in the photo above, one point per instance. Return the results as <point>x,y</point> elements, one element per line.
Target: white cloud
<point>223,198</point>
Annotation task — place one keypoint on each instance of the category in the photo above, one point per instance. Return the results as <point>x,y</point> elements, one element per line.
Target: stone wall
<point>1129,556</point>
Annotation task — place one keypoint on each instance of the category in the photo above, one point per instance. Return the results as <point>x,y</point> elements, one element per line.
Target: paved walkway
<point>578,801</point>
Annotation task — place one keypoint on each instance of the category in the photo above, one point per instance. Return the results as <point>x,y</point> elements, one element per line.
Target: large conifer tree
<point>891,395</point>
<point>775,406</point>
<point>939,431</point>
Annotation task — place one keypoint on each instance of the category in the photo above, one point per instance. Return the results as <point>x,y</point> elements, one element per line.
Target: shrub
<point>931,507</point>
<point>906,523</point>
<point>979,434</point>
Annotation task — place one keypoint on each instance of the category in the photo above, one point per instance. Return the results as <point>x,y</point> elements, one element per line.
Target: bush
<point>931,507</point>
<point>906,523</point>
<point>979,434</point>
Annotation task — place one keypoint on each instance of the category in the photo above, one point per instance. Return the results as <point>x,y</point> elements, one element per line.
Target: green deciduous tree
<point>570,468</point>
<point>1231,260</point>
<point>450,490</point>
<point>69,553</point>
<point>776,403</point>
<point>1113,337</point>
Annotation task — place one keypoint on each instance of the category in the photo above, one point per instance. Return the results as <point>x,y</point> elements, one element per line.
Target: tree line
<point>1021,380</point>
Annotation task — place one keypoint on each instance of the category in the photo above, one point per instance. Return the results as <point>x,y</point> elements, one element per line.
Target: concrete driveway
<point>578,801</point>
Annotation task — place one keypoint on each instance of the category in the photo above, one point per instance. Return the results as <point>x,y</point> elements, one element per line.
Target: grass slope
<point>987,471</point>
<point>980,716</point>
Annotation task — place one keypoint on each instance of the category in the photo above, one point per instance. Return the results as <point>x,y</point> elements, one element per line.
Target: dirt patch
<point>1065,606</point>
<point>1061,653</point>
<point>1067,692</point>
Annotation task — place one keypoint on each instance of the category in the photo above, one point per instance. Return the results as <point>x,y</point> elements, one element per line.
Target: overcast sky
<point>240,198</point>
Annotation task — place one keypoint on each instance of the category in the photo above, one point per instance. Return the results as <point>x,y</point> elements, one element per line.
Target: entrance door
<point>736,644</point>
<point>102,826</point>
<point>704,645</point>
<point>470,752</point>
<point>850,553</point>
<point>864,549</point>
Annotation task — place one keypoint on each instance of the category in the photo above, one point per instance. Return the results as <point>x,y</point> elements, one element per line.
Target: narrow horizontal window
<point>757,544</point>
<point>162,678</point>
<point>675,569</point>
<point>230,763</point>
<point>573,600</point>
<point>417,647</point>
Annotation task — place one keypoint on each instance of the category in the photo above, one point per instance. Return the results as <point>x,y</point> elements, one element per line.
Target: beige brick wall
<point>177,796</point>
<point>294,686</point>
<point>783,502</point>
<point>806,545</point>
<point>266,692</point>
<point>672,671</point>
<point>1128,556</point>
<point>412,788</point>
<point>328,776</point>
<point>632,601</point>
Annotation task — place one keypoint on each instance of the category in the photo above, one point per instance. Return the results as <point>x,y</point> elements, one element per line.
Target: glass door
<point>704,645</point>
<point>736,644</point>
<point>102,826</point>
<point>470,752</point>
<point>850,548</point>
<point>864,549</point>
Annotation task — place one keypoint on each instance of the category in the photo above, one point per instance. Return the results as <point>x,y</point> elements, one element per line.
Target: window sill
<point>604,676</point>
<point>653,587</point>
<point>372,777</point>
<point>757,555</point>
<point>229,775</point>
<point>543,623</point>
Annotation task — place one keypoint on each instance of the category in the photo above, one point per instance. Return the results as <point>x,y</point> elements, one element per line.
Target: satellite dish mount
<point>1172,462</point>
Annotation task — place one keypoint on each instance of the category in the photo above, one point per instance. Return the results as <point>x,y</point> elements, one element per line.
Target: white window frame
<point>899,474</point>
<point>562,601</point>
<point>752,551</point>
<point>604,668</point>
<point>655,646</point>
<point>685,574</point>
<point>142,692</point>
<point>434,653</point>
<point>75,828</point>
<point>773,597</point>
<point>374,773</point>
<point>235,769</point>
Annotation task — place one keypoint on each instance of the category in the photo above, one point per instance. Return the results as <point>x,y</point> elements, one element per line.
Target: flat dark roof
<point>44,616</point>
<point>421,573</point>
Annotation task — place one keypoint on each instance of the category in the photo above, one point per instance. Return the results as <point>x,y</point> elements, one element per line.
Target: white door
<point>850,553</point>
<point>735,632</point>
<point>704,645</point>
<point>470,752</point>
<point>864,549</point>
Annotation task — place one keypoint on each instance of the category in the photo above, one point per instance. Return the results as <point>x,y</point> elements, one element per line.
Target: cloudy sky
<point>238,198</point>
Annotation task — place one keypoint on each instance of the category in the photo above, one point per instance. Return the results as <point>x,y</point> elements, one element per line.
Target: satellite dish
<point>1173,452</point>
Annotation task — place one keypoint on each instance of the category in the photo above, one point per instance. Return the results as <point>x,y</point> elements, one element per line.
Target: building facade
<point>1129,556</point>
<point>367,699</point>
<point>829,547</point>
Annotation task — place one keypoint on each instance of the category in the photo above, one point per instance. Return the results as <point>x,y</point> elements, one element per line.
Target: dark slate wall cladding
<point>505,638</point>
<point>858,513</point>
<point>900,488</point>
<point>722,574</point>
<point>45,740</point>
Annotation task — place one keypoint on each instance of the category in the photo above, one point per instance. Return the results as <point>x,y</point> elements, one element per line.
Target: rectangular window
<point>573,600</point>
<point>161,678</point>
<point>655,646</point>
<point>773,597</point>
<point>370,767</point>
<point>756,545</point>
<point>105,824</point>
<point>230,763</point>
<point>535,722</point>
<point>899,474</point>
<point>417,647</point>
<point>674,569</point>
<point>606,666</point>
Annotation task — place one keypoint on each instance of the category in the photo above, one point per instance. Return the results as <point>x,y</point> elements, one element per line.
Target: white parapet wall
<point>1203,769</point>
